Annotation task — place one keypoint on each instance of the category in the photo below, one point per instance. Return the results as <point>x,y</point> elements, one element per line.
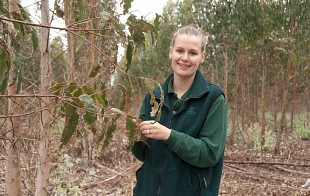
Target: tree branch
<point>265,163</point>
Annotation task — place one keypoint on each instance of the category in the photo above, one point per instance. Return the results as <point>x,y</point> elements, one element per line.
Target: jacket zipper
<point>160,173</point>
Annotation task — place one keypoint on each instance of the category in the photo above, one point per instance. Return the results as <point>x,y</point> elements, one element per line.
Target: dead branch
<point>265,163</point>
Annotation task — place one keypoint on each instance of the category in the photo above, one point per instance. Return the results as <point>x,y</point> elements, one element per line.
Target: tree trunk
<point>286,82</point>
<point>242,98</point>
<point>264,78</point>
<point>293,103</point>
<point>44,160</point>
<point>263,100</point>
<point>226,73</point>
<point>13,171</point>
<point>69,19</point>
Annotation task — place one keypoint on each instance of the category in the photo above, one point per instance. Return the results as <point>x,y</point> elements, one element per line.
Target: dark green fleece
<point>190,162</point>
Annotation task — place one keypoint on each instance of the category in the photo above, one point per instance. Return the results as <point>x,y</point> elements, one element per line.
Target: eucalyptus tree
<point>44,151</point>
<point>13,170</point>
<point>81,94</point>
<point>11,75</point>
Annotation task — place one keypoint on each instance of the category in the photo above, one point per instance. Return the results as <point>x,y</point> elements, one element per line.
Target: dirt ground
<point>112,172</point>
<point>246,171</point>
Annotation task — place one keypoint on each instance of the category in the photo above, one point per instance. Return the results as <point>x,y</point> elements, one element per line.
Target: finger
<point>146,132</point>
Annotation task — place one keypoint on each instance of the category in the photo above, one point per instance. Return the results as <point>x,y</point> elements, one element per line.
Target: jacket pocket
<point>198,181</point>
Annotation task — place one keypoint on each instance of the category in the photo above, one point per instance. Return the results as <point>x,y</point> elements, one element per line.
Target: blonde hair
<point>191,30</point>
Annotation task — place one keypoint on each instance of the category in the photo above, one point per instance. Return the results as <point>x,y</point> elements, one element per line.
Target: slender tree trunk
<point>13,171</point>
<point>44,160</point>
<point>264,85</point>
<point>286,82</point>
<point>226,66</point>
<point>242,98</point>
<point>263,99</point>
<point>69,19</point>
<point>293,103</point>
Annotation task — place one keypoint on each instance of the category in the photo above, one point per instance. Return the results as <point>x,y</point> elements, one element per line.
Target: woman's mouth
<point>184,65</point>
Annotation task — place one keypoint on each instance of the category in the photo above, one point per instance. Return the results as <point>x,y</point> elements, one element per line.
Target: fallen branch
<point>265,163</point>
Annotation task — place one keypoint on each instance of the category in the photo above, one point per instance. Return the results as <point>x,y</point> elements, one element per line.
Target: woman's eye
<point>193,53</point>
<point>179,51</point>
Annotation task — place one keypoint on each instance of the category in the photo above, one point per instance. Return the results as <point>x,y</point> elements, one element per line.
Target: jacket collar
<point>198,88</point>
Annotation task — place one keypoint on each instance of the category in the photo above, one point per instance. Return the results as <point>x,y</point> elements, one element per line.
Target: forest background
<point>69,104</point>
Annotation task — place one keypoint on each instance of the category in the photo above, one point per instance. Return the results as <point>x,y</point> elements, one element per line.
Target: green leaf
<point>157,22</point>
<point>59,12</point>
<point>78,92</point>
<point>95,71</point>
<point>3,11</point>
<point>57,88</point>
<point>90,117</point>
<point>15,43</point>
<point>87,99</point>
<point>72,119</point>
<point>88,90</point>
<point>131,127</point>
<point>4,71</point>
<point>109,134</point>
<point>127,5</point>
<point>34,38</point>
<point>103,94</point>
<point>72,87</point>
<point>4,66</point>
<point>129,53</point>
<point>122,103</point>
<point>24,13</point>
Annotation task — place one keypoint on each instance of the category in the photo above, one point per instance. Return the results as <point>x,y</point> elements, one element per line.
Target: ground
<point>246,171</point>
<point>112,172</point>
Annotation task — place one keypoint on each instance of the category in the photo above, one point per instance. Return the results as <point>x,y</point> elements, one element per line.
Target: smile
<point>183,65</point>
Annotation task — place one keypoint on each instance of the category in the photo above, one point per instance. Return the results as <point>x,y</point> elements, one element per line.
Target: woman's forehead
<point>190,40</point>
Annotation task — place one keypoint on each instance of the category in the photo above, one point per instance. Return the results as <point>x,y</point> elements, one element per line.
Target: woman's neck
<point>181,85</point>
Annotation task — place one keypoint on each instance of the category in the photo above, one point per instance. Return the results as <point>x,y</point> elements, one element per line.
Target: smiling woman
<point>185,150</point>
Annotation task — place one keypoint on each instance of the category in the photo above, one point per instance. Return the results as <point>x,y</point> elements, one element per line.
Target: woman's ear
<point>203,56</point>
<point>170,51</point>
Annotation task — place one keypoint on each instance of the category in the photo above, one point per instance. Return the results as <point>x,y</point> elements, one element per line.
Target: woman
<point>185,148</point>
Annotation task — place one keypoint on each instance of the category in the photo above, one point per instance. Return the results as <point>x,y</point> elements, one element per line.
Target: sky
<point>145,8</point>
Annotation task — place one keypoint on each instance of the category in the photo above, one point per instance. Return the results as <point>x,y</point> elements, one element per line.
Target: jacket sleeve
<point>207,149</point>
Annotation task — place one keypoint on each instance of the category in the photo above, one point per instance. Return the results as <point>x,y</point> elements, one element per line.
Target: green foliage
<point>254,137</point>
<point>64,184</point>
<point>126,5</point>
<point>71,122</point>
<point>302,128</point>
<point>10,55</point>
<point>5,65</point>
<point>131,127</point>
<point>108,133</point>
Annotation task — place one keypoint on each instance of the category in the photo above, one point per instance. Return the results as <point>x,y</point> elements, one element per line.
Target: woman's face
<point>186,55</point>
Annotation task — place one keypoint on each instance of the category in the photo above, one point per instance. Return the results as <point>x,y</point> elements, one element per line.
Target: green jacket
<point>190,162</point>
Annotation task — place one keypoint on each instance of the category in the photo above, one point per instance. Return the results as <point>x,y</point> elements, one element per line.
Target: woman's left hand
<point>154,130</point>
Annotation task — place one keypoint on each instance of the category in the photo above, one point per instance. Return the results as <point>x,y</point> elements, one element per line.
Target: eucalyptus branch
<point>48,26</point>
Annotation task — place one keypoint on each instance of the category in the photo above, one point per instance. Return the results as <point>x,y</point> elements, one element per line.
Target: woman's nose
<point>184,56</point>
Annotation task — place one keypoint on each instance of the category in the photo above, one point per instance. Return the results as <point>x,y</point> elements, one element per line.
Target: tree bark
<point>44,160</point>
<point>13,170</point>
<point>264,85</point>
<point>69,19</point>
<point>286,82</point>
